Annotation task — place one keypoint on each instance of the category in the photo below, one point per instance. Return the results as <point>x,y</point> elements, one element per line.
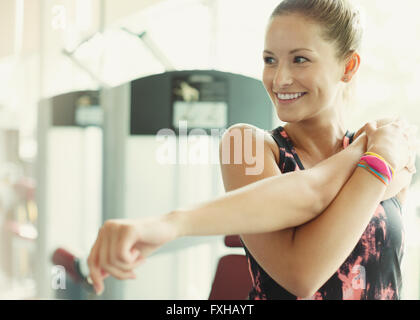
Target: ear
<point>351,67</point>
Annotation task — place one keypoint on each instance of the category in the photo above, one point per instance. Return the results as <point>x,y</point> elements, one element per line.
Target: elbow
<point>302,284</point>
<point>303,289</point>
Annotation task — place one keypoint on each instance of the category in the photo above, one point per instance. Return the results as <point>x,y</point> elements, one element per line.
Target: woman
<point>307,231</point>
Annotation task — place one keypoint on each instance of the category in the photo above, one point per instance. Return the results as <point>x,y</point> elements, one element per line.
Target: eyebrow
<point>291,52</point>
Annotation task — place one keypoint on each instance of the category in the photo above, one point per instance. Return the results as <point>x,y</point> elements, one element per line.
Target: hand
<point>122,245</point>
<point>360,136</point>
<point>382,122</point>
<point>379,123</point>
<point>395,141</point>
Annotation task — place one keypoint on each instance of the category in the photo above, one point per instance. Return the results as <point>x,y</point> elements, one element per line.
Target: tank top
<point>370,272</point>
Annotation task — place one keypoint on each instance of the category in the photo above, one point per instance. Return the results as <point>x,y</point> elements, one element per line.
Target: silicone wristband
<point>373,170</point>
<point>374,174</point>
<point>377,164</point>
<point>377,155</point>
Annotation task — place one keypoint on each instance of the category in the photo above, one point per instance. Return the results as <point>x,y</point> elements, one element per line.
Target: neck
<point>317,138</point>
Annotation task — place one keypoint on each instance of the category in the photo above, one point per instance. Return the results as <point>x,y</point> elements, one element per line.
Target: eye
<point>301,58</point>
<point>266,60</point>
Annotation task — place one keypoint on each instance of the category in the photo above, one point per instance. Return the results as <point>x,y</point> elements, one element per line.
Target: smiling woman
<point>322,220</point>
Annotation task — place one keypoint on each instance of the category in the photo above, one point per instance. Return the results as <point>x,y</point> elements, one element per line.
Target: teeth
<point>289,96</point>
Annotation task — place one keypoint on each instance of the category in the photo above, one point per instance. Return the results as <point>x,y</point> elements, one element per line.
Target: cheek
<point>326,79</point>
<point>267,79</point>
<point>265,75</point>
<point>308,77</point>
<point>315,81</point>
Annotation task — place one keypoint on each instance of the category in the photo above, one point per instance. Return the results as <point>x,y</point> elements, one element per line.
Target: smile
<point>289,98</point>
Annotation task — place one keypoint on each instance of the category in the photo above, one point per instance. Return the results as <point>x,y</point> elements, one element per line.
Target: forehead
<point>287,32</point>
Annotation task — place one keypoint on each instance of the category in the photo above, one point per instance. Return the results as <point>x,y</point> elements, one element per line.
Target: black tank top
<point>371,271</point>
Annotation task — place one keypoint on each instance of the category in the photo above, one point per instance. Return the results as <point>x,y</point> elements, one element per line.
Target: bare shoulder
<point>269,141</point>
<point>260,164</point>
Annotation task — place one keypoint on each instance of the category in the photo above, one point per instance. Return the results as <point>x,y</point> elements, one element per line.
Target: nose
<point>282,78</point>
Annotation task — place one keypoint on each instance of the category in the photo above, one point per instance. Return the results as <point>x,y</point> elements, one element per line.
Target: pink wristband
<point>378,164</point>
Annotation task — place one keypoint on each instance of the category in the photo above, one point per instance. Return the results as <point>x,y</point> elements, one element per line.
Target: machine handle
<point>74,266</point>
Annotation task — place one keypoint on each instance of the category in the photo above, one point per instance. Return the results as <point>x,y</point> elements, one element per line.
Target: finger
<point>106,263</point>
<point>412,169</point>
<point>397,123</point>
<point>95,273</point>
<point>137,254</point>
<point>122,259</point>
<point>360,131</point>
<point>404,123</point>
<point>397,118</point>
<point>138,258</point>
<point>103,253</point>
<point>104,273</point>
<point>370,127</point>
<point>127,253</point>
<point>411,166</point>
<point>384,121</point>
<point>120,274</point>
<point>113,251</point>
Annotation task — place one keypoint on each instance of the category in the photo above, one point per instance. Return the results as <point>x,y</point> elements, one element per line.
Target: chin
<point>287,118</point>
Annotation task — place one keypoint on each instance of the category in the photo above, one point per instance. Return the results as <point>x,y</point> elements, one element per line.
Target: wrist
<point>374,161</point>
<point>176,223</point>
<point>384,155</point>
<point>368,172</point>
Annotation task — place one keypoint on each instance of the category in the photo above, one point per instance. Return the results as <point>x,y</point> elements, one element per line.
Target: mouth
<point>286,99</point>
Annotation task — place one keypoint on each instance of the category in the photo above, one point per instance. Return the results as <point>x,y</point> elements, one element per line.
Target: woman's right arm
<point>252,202</point>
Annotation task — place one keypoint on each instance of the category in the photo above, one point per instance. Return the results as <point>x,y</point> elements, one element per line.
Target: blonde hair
<point>341,23</point>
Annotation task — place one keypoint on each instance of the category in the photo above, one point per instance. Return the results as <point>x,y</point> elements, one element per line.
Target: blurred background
<point>86,85</point>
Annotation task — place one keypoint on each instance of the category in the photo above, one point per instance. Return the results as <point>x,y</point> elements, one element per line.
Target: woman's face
<point>298,60</point>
